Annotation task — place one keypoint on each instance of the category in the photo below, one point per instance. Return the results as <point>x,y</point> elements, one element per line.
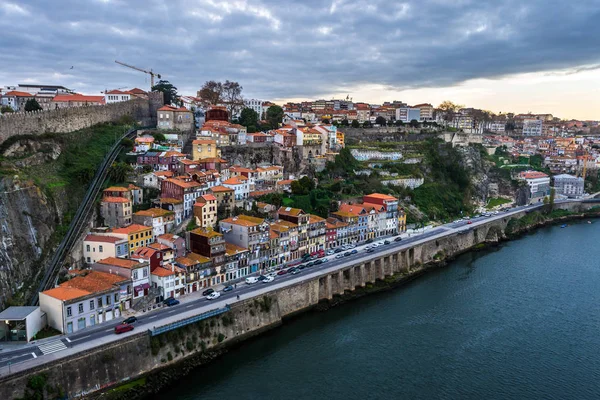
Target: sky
<point>541,56</point>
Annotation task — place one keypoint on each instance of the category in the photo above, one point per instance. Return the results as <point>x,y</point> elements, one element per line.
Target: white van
<point>251,280</point>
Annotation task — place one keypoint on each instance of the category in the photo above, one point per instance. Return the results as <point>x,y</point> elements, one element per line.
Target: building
<point>175,242</point>
<point>148,255</point>
<point>75,100</point>
<point>136,235</point>
<point>568,185</point>
<point>169,281</point>
<point>425,111</point>
<point>204,148</point>
<point>116,211</point>
<point>225,197</point>
<point>390,207</point>
<point>159,219</point>
<point>406,114</point>
<point>97,247</point>
<point>186,191</point>
<point>256,105</point>
<point>175,118</point>
<point>21,323</point>
<point>538,183</point>
<point>533,127</point>
<point>250,233</point>
<point>116,96</point>
<point>136,272</point>
<point>205,211</point>
<point>240,186</point>
<point>15,99</point>
<point>236,262</point>
<point>85,300</point>
<point>301,220</point>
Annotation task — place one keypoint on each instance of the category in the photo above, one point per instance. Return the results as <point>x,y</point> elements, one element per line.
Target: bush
<point>169,356</point>
<point>227,319</point>
<point>220,338</point>
<point>189,345</point>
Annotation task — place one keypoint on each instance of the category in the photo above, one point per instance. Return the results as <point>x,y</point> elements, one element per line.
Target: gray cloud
<point>282,49</point>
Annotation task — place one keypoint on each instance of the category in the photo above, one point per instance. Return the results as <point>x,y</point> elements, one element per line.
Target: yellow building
<point>205,211</point>
<point>401,220</point>
<point>136,235</point>
<point>205,148</point>
<point>340,138</point>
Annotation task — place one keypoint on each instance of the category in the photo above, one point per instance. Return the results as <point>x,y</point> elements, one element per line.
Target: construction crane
<point>151,73</point>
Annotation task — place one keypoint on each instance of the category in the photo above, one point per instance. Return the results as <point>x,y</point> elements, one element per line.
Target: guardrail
<point>188,321</point>
<point>80,219</point>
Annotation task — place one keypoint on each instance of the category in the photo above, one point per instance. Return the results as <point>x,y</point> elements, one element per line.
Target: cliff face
<point>27,221</point>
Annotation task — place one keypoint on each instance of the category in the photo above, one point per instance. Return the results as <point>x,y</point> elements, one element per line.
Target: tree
<point>6,109</point>
<point>118,172</point>
<point>367,124</point>
<point>380,121</point>
<point>274,116</point>
<point>170,95</point>
<point>303,186</point>
<point>355,123</point>
<point>449,110</point>
<point>345,122</point>
<point>32,105</point>
<point>232,97</point>
<point>414,123</point>
<point>249,118</point>
<point>399,122</point>
<point>159,137</point>
<point>211,92</point>
<point>325,121</point>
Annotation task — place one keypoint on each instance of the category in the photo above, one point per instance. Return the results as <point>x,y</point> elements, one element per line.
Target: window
<point>87,247</point>
<point>135,275</point>
<point>88,260</point>
<point>100,249</point>
<point>99,302</point>
<point>107,300</point>
<point>69,313</point>
<point>116,298</point>
<point>91,304</point>
<point>80,308</point>
<point>145,273</point>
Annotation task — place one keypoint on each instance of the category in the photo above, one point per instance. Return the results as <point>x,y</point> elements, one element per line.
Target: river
<point>518,321</point>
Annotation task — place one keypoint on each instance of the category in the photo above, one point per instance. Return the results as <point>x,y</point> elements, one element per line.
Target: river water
<point>521,321</point>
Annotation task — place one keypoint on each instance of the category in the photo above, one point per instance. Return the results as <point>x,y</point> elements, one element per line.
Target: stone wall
<point>72,119</point>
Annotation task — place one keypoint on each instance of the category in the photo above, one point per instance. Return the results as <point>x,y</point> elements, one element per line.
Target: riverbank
<point>144,364</point>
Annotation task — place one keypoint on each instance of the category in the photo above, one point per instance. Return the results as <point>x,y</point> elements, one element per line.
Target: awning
<point>141,287</point>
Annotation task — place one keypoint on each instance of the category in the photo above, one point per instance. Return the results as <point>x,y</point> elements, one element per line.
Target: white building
<point>116,96</point>
<point>532,127</point>
<point>538,182</point>
<point>138,273</point>
<point>568,185</point>
<point>256,105</point>
<point>497,126</point>
<point>240,186</point>
<point>170,281</point>
<point>97,247</point>
<point>21,323</point>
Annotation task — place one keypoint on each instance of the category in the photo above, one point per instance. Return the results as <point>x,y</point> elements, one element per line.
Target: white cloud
<point>13,9</point>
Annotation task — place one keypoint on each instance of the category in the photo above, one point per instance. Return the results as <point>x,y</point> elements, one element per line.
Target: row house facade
<point>251,233</point>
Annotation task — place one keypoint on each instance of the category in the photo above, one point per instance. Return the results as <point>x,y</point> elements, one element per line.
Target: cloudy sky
<point>502,55</point>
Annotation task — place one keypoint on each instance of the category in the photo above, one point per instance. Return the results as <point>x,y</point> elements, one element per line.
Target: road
<point>192,304</point>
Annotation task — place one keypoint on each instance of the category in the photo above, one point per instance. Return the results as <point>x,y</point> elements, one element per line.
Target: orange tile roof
<point>352,209</point>
<point>205,197</point>
<point>111,199</point>
<point>313,219</point>
<point>163,173</point>
<point>153,212</point>
<point>244,220</point>
<point>206,232</point>
<point>169,200</point>
<point>84,285</point>
<point>159,246</point>
<point>168,236</point>
<point>231,249</point>
<point>204,141</point>
<point>18,94</point>
<point>144,253</point>
<point>116,189</point>
<point>377,207</point>
<point>133,228</point>
<point>120,262</point>
<point>236,180</point>
<point>160,271</point>
<point>294,212</point>
<point>381,196</point>
<point>284,182</point>
<point>77,97</point>
<point>103,239</point>
<point>183,184</point>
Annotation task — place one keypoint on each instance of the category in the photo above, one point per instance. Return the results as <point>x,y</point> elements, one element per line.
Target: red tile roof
<point>18,94</point>
<point>119,262</point>
<point>66,98</point>
<point>103,239</point>
<point>110,199</point>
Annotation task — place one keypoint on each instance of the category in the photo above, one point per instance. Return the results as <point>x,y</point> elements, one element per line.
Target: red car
<point>469,222</point>
<point>123,328</point>
<point>282,272</point>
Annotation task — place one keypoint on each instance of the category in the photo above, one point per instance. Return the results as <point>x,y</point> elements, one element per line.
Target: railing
<point>79,220</point>
<point>178,324</point>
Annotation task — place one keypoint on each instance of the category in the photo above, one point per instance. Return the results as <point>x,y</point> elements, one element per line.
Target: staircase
<point>146,302</point>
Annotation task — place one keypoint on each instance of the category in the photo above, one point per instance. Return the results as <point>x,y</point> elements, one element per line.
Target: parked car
<point>302,266</point>
<point>268,279</point>
<point>208,291</point>
<point>469,222</point>
<point>170,302</point>
<point>319,261</point>
<point>123,328</point>
<point>354,251</point>
<point>352,246</point>
<point>213,295</point>
<point>228,288</point>
<point>130,320</point>
<point>324,260</point>
<point>282,272</point>
<point>338,250</point>
<point>262,278</point>
<point>398,239</point>
<point>250,280</point>
<point>329,252</point>
<point>387,242</point>
<point>273,274</point>
<point>370,250</point>
<point>346,254</point>
<point>340,255</point>
<point>296,271</point>
<point>369,241</point>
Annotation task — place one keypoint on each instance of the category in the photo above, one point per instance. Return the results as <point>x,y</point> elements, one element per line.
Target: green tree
<point>170,95</point>
<point>249,118</point>
<point>274,116</point>
<point>159,137</point>
<point>345,122</point>
<point>414,123</point>
<point>380,121</point>
<point>325,121</point>
<point>6,109</point>
<point>367,124</point>
<point>399,122</point>
<point>32,105</point>
<point>355,123</point>
<point>119,172</point>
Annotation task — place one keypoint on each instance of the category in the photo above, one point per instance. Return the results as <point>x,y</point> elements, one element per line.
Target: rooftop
<point>120,262</point>
<point>84,285</point>
<point>153,212</point>
<point>133,228</point>
<point>244,220</point>
<point>206,232</point>
<point>103,239</point>
<point>16,312</point>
